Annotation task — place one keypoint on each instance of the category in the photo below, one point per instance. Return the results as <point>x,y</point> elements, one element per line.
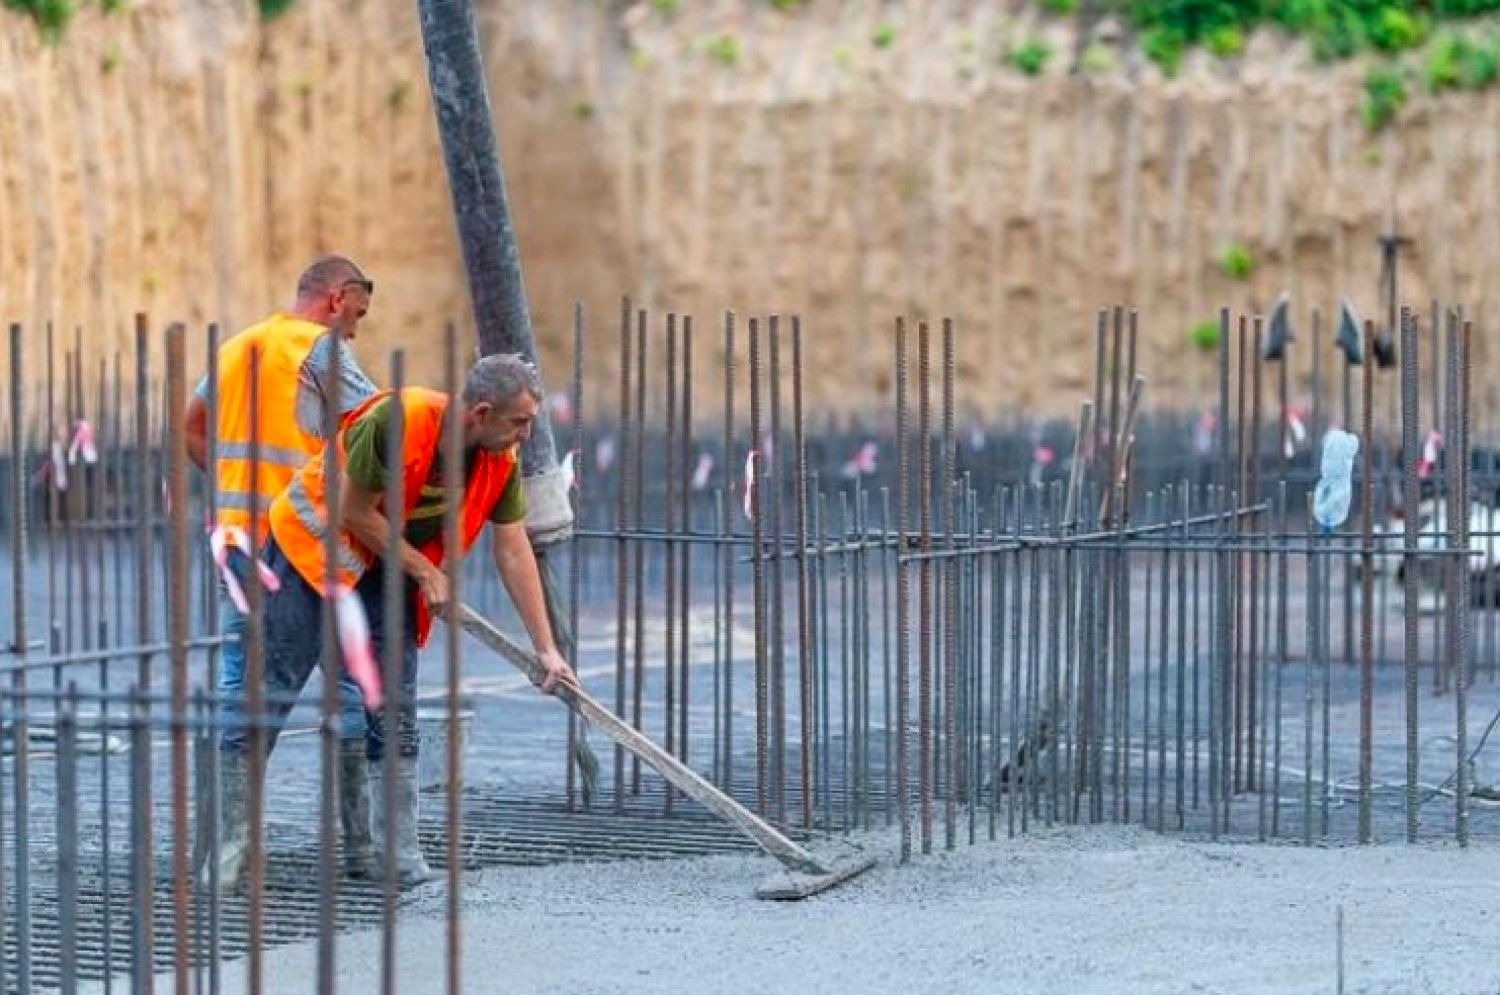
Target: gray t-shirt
<point>353,386</point>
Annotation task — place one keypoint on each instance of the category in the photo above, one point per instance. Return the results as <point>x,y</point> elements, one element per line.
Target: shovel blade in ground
<point>806,874</point>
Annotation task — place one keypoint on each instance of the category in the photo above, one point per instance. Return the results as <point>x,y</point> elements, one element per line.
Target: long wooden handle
<point>683,777</point>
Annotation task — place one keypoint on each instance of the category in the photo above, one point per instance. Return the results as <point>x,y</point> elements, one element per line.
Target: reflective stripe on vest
<point>317,527</point>
<point>299,524</point>
<point>282,343</point>
<point>277,455</point>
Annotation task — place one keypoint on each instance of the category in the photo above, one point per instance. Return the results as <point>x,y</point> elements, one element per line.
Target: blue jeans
<point>371,590</point>
<point>292,638</point>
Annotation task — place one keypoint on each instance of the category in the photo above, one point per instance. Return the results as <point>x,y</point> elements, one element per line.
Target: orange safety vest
<point>299,517</point>
<point>283,342</point>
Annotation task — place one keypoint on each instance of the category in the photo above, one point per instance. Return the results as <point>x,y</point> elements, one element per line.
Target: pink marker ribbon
<point>750,485</point>
<point>356,646</point>
<point>220,540</point>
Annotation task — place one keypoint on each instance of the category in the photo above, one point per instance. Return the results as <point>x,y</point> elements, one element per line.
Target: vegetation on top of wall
<point>51,16</point>
<point>1335,29</point>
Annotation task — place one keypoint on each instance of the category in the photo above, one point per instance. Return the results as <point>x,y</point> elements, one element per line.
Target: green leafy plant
<point>1456,61</point>
<point>666,8</point>
<point>272,9</point>
<point>1205,335</point>
<point>1442,62</point>
<point>51,16</point>
<point>1061,7</point>
<point>1236,261</point>
<point>583,109</point>
<point>1394,29</point>
<point>723,49</point>
<point>1385,94</point>
<point>884,36</point>
<point>1481,67</point>
<point>1226,41</point>
<point>110,60</point>
<point>786,4</point>
<point>1030,57</point>
<point>1165,47</point>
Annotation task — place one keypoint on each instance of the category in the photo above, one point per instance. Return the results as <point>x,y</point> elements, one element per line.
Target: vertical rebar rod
<point>141,844</point>
<point>394,607</point>
<point>141,960</point>
<point>903,611</point>
<point>1219,736</point>
<point>1367,580</point>
<point>846,697</point>
<point>1283,640</point>
<point>638,583</point>
<point>1411,495</point>
<point>1235,686</point>
<point>18,676</point>
<point>1164,657</point>
<point>924,610</point>
<point>255,703</point>
<point>950,596</point>
<point>575,545</point>
<point>1185,502</point>
<point>685,526</point>
<point>773,478</point>
<point>996,664</point>
<point>1146,673</point>
<point>177,593</point>
<point>1017,628</point>
<point>1056,702</point>
<point>67,818</point>
<point>754,484</point>
<point>670,478</point>
<point>804,594</point>
<point>622,544</point>
<point>332,663</point>
<point>888,551</point>
<point>728,555</point>
<point>453,485</point>
<point>105,635</point>
<point>823,695</point>
<point>1254,743</point>
<point>1459,524</point>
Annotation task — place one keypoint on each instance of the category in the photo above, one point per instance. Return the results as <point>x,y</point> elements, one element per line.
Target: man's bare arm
<point>523,582</point>
<point>362,517</point>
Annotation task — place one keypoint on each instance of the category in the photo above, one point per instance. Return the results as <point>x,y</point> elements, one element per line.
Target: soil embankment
<point>180,157</point>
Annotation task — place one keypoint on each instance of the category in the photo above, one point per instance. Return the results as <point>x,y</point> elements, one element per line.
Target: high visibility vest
<point>299,515</point>
<point>283,342</point>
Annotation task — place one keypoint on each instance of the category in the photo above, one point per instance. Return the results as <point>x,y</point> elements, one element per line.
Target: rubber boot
<point>234,827</point>
<point>411,866</point>
<point>354,811</point>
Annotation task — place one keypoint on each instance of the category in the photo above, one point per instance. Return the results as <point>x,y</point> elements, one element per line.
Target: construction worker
<point>296,355</point>
<point>498,406</point>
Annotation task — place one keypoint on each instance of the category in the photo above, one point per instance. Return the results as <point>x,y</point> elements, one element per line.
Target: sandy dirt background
<point>184,159</point>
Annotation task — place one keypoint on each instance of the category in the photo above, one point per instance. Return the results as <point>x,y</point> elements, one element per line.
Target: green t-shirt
<point>365,449</point>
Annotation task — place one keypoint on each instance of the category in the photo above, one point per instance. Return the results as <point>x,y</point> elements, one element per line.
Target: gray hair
<point>500,379</point>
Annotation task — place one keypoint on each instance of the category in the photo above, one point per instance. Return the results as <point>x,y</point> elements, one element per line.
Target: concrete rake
<point>806,874</point>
